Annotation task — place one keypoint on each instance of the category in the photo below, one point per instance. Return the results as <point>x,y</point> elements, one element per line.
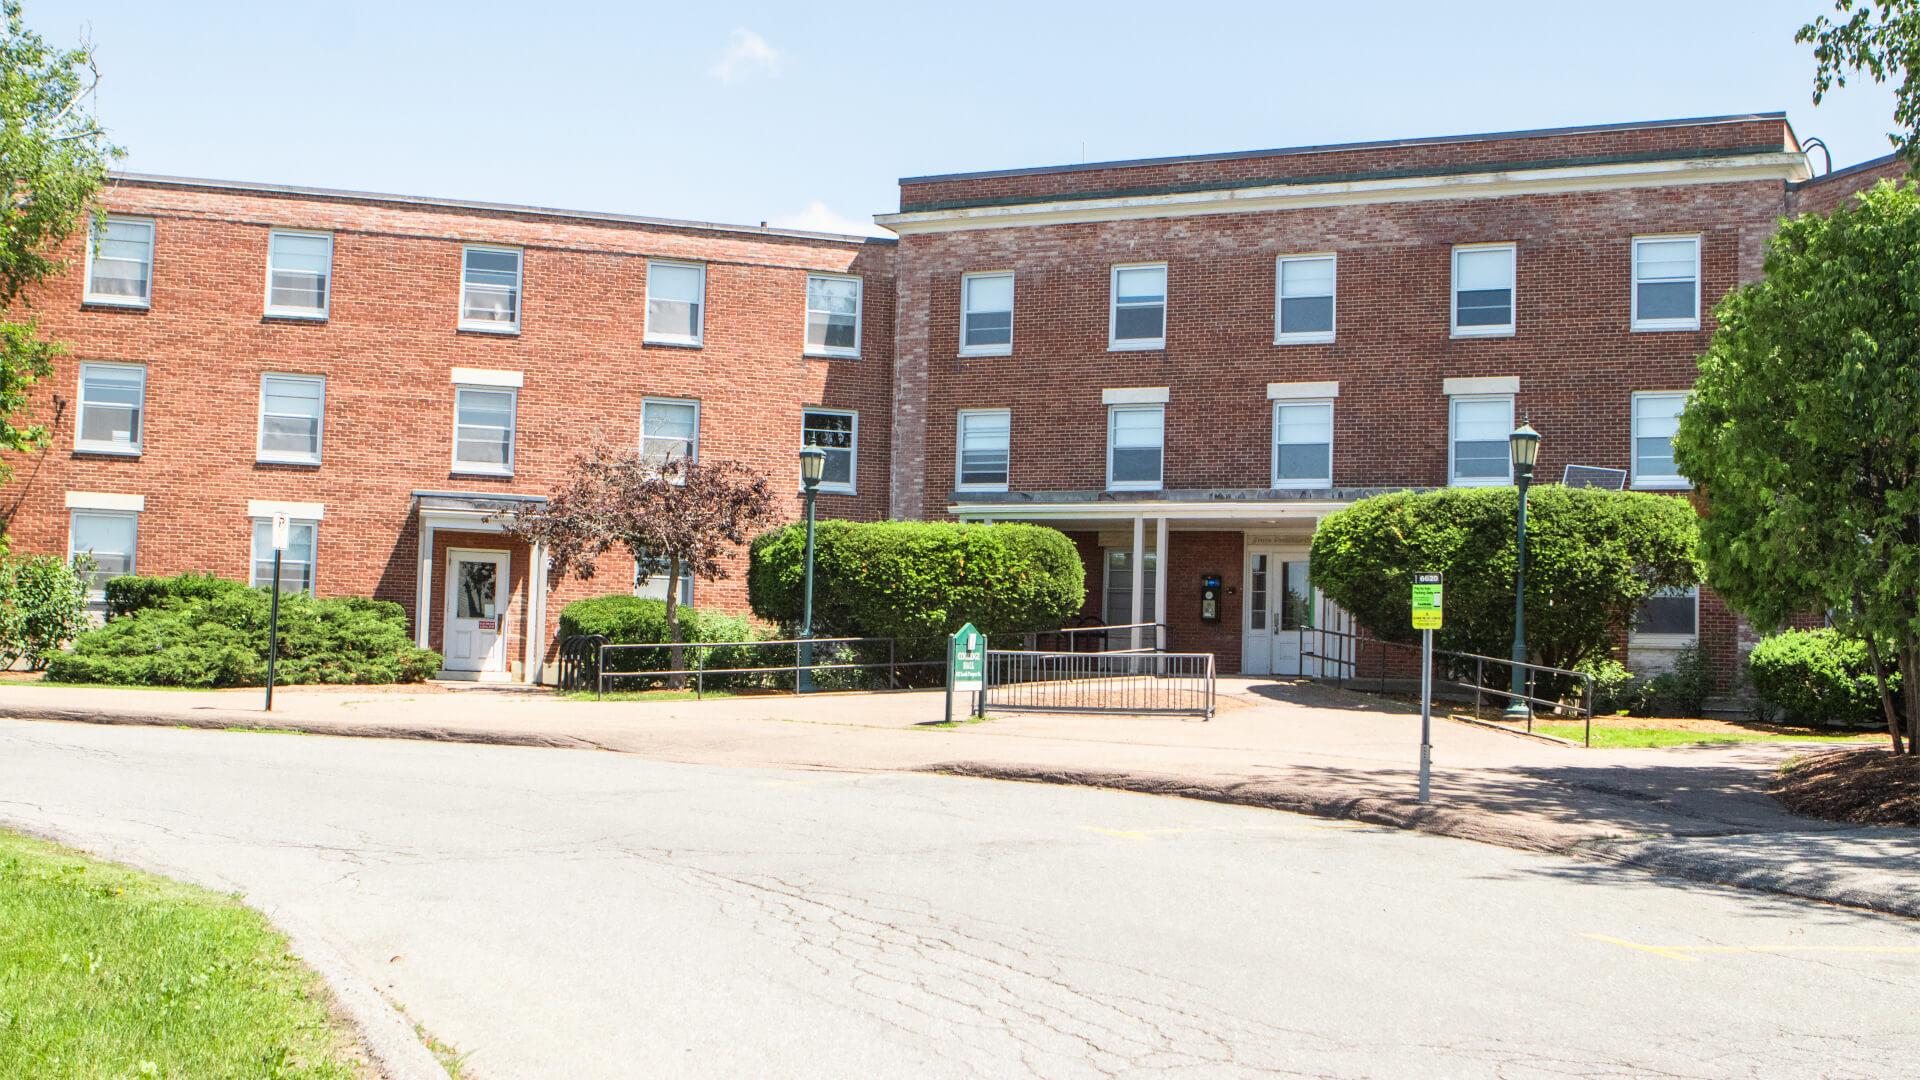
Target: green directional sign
<point>1427,589</point>
<point>967,660</point>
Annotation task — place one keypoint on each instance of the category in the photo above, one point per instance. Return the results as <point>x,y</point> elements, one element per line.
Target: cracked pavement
<point>576,914</point>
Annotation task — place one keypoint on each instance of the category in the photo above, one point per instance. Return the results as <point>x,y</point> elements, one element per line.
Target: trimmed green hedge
<point>1817,677</point>
<point>632,620</point>
<point>131,593</point>
<point>186,632</point>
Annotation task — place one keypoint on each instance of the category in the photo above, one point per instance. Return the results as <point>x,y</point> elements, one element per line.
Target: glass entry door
<point>476,638</point>
<point>1279,608</point>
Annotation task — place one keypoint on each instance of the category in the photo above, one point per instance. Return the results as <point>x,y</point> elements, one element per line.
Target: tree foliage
<point>43,605</point>
<point>1880,38</point>
<point>1804,432</point>
<point>1593,557</point>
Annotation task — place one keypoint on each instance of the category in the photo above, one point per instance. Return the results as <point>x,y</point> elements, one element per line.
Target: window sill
<point>1665,327</point>
<point>1158,345</point>
<point>1662,641</point>
<point>1304,339</point>
<point>981,489</point>
<point>473,470</point>
<point>671,343</point>
<point>825,490</point>
<point>816,354</point>
<point>1463,482</point>
<point>488,328</point>
<point>968,354</point>
<point>1137,487</point>
<point>110,451</point>
<point>1281,483</point>
<point>1496,332</point>
<point>295,316</point>
<point>118,305</point>
<point>311,463</point>
<point>1677,483</point>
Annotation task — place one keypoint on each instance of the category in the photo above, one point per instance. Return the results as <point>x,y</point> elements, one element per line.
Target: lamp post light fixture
<point>813,465</point>
<point>1524,445</point>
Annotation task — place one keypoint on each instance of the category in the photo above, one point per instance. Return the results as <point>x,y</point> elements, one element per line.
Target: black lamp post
<point>1524,444</point>
<point>813,465</point>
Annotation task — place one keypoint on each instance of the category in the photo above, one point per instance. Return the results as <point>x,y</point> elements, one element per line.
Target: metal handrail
<point>1072,633</point>
<point>1181,684</point>
<point>893,664</point>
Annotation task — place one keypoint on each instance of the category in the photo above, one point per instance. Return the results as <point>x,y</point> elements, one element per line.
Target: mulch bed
<point>1861,787</point>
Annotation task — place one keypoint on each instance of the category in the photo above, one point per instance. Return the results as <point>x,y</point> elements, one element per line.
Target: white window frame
<point>1113,416</point>
<point>1513,293</point>
<point>1674,482</point>
<point>481,326</point>
<point>1290,484</point>
<point>1308,337</point>
<point>686,583</point>
<point>853,452</point>
<point>959,448</point>
<point>326,304</point>
<point>1114,343</point>
<point>97,601</point>
<point>1668,641</point>
<point>966,292</point>
<point>693,451</point>
<point>82,445</point>
<point>93,241</point>
<point>254,554</point>
<point>699,339</point>
<point>482,468</point>
<point>1453,416</point>
<point>859,317</point>
<point>274,457</point>
<point>1640,325</point>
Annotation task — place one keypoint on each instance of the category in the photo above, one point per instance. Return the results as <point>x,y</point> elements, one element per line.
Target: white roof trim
<point>1278,391</point>
<point>266,508</point>
<point>1498,384</point>
<point>101,500</point>
<point>1134,395</point>
<point>473,376</point>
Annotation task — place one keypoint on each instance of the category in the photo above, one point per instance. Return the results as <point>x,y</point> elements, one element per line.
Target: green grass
<point>119,686</point>
<point>1619,736</point>
<point>646,695</point>
<point>108,972</point>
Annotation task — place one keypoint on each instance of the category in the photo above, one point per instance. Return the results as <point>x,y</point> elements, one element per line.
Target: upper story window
<point>669,430</point>
<point>109,536</point>
<point>120,262</point>
<point>1656,419</point>
<point>1136,437</point>
<point>1137,318</point>
<point>1304,310</point>
<point>986,314</point>
<point>299,274</point>
<point>1477,442</point>
<point>296,563</point>
<point>1666,283</point>
<point>113,400</point>
<point>837,432</point>
<point>490,289</point>
<point>833,315</point>
<point>292,413</point>
<point>981,458</point>
<point>676,298</point>
<point>1483,290</point>
<point>1302,444</point>
<point>483,426</point>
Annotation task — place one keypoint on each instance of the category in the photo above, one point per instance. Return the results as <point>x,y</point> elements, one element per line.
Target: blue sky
<point>806,114</point>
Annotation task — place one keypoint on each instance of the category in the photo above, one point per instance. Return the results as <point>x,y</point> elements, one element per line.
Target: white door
<point>1279,614</point>
<point>476,609</point>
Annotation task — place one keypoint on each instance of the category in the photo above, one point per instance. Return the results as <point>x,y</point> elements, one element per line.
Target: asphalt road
<point>574,914</point>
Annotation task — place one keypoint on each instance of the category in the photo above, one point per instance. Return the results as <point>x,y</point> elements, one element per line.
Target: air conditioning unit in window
<point>1594,476</point>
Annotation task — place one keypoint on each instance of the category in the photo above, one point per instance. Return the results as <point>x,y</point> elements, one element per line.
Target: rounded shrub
<point>634,620</point>
<point>131,593</point>
<point>1817,677</point>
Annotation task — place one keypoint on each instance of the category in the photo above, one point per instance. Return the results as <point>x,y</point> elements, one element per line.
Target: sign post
<point>1427,589</point>
<point>967,668</point>
<point>281,527</point>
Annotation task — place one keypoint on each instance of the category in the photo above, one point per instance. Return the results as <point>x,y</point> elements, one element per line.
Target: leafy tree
<point>43,605</point>
<point>685,514</point>
<point>53,160</point>
<point>1593,557</point>
<point>1804,432</point>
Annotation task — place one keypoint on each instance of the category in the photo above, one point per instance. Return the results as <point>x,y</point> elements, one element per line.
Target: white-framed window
<point>1303,304</point>
<point>986,314</point>
<point>833,315</point>
<point>111,537</point>
<point>1656,419</point>
<point>490,289</point>
<point>296,563</point>
<point>299,274</point>
<point>1668,617</point>
<point>1477,452</point>
<point>483,425</point>
<point>1666,283</point>
<point>1483,290</point>
<point>982,457</point>
<point>669,430</point>
<point>1116,607</point>
<point>1136,446</point>
<point>650,580</point>
<point>676,301</point>
<point>836,431</point>
<point>1302,444</point>
<point>1137,310</point>
<point>292,415</point>
<point>120,262</point>
<point>113,409</point>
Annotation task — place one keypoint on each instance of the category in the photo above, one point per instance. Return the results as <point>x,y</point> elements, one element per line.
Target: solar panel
<point>1594,476</point>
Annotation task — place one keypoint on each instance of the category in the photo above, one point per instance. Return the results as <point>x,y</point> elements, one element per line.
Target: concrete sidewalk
<point>1698,812</point>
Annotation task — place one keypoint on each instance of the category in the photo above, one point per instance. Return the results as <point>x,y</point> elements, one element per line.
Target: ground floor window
<point>109,537</point>
<point>1118,605</point>
<point>650,580</point>
<point>1669,614</point>
<point>296,563</point>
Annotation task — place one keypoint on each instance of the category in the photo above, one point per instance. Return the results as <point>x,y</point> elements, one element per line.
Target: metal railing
<point>807,663</point>
<point>1343,660</point>
<point>1174,684</point>
<point>1153,638</point>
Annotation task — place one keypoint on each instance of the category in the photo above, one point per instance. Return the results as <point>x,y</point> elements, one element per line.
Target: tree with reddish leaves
<point>680,515</point>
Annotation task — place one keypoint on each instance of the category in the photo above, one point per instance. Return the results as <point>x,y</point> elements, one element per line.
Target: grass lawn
<point>1622,732</point>
<point>109,972</point>
<point>646,695</point>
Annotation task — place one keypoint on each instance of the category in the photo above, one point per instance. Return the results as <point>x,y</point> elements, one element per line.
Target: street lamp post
<point>1524,444</point>
<point>813,464</point>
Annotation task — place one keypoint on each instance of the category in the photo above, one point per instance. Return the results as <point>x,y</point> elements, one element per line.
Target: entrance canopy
<point>478,512</point>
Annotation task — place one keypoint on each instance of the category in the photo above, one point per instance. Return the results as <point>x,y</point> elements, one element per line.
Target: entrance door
<point>476,609</point>
<point>1279,611</point>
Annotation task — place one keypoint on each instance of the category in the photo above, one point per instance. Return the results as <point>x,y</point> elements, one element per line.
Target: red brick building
<point>1192,356</point>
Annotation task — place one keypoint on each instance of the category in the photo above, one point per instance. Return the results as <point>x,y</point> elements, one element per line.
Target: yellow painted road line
<point>1693,952</point>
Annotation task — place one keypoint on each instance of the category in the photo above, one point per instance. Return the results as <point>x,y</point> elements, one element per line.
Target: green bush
<point>1681,690</point>
<point>1817,677</point>
<point>130,593</point>
<point>218,637</point>
<point>632,620</point>
<point>43,605</point>
<point>1615,689</point>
